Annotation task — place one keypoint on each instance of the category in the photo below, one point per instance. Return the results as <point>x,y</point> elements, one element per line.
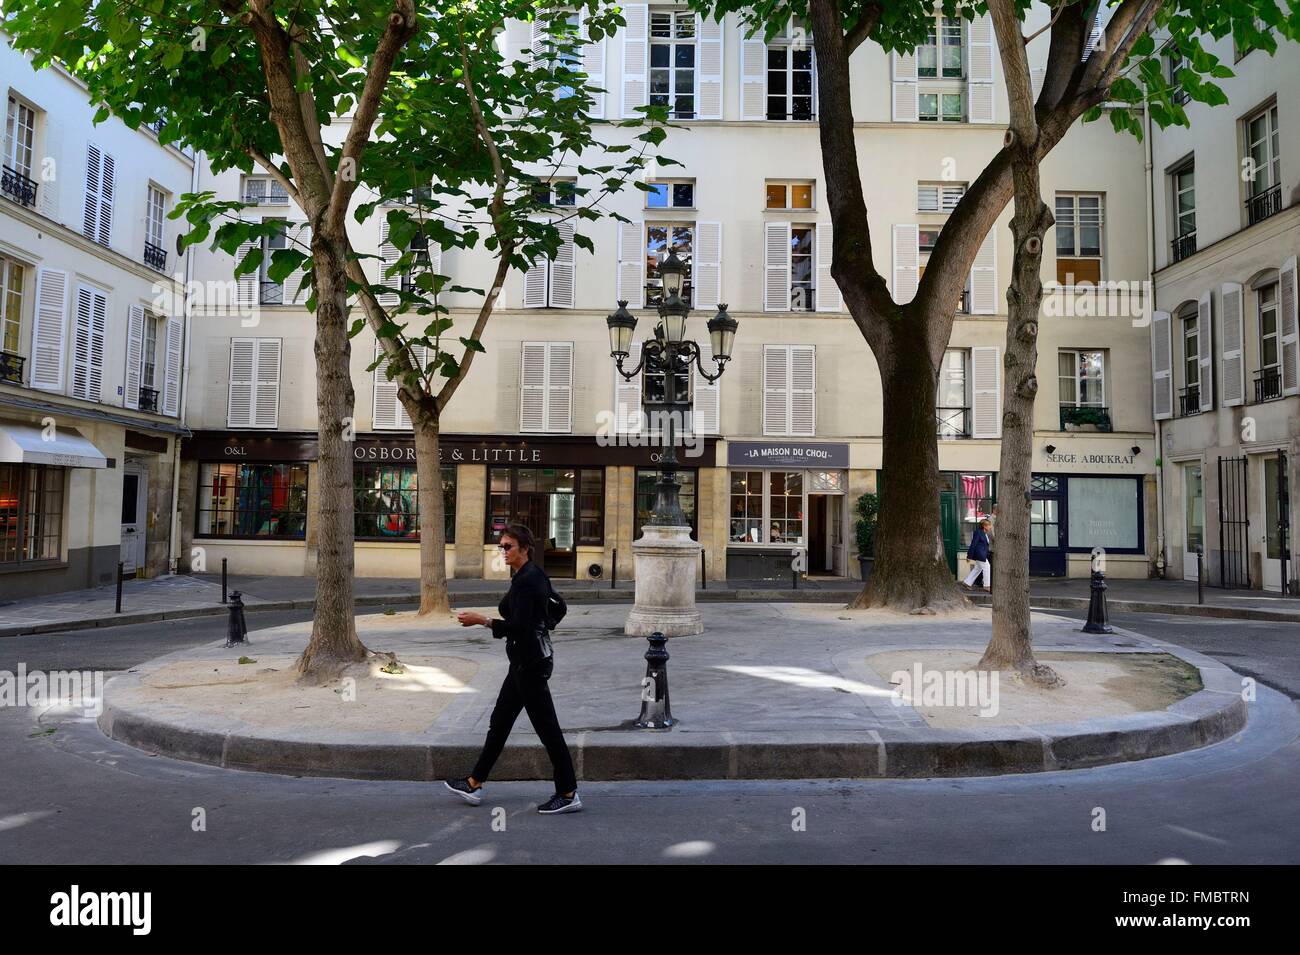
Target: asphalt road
<point>71,796</point>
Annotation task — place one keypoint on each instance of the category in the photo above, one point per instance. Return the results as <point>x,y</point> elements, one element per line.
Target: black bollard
<point>613,570</point>
<point>1200,576</point>
<point>117,608</point>
<point>704,572</point>
<point>1098,617</point>
<point>223,580</point>
<point>237,635</point>
<point>656,714</point>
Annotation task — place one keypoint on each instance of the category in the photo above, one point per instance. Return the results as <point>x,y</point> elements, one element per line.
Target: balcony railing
<point>271,293</point>
<point>1183,246</point>
<point>1268,384</point>
<point>11,368</point>
<point>1267,203</point>
<point>1085,418</point>
<point>265,193</point>
<point>148,399</point>
<point>1189,401</point>
<point>155,257</point>
<point>952,423</point>
<point>17,187</point>
<point>1180,96</point>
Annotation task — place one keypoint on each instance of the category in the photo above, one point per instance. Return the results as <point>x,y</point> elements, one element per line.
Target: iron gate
<point>1234,524</point>
<point>1284,518</point>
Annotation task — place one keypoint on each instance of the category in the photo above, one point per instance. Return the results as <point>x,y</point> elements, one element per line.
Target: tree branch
<point>484,313</point>
<point>865,26</point>
<point>274,171</point>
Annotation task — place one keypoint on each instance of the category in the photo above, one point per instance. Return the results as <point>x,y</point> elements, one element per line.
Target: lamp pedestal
<point>666,559</point>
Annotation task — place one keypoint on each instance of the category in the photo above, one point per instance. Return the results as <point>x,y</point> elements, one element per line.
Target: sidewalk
<point>168,598</point>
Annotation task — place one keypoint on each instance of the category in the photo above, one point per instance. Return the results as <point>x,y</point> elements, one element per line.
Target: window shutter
<point>776,389</point>
<point>88,345</point>
<point>134,355</point>
<point>266,397</point>
<point>631,263</point>
<point>535,283</point>
<point>1037,76</point>
<point>246,287</point>
<point>753,77</point>
<point>979,69</point>
<point>776,266</point>
<point>628,417</point>
<point>949,196</point>
<point>559,387</point>
<point>636,57</point>
<point>1232,387</point>
<point>986,395</point>
<point>907,262</point>
<point>927,198</point>
<point>532,387</point>
<point>1162,382</point>
<point>903,99</point>
<point>171,396</point>
<point>50,329</point>
<point>1288,299</point>
<point>708,42</point>
<point>90,212</point>
<point>706,265</point>
<point>537,37</point>
<point>386,410</point>
<point>1094,36</point>
<point>829,298</point>
<point>388,256</point>
<point>984,277</point>
<point>296,289</point>
<point>706,417</point>
<point>239,405</point>
<point>106,187</point>
<point>803,391</point>
<point>593,64</point>
<point>49,190</point>
<point>563,269</point>
<point>517,37</point>
<point>1205,349</point>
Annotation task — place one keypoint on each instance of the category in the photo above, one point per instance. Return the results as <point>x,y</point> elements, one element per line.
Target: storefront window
<point>388,505</point>
<point>767,507</point>
<point>786,501</point>
<point>645,498</point>
<point>1103,512</point>
<point>976,500</point>
<point>252,500</point>
<point>31,512</point>
<point>747,507</point>
<point>561,506</point>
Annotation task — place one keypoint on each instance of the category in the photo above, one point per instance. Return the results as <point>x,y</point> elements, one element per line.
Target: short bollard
<point>223,580</point>
<point>1098,617</point>
<point>1200,575</point>
<point>117,604</point>
<point>656,714</point>
<point>238,632</point>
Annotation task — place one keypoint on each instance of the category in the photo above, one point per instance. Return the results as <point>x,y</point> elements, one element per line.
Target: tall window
<point>672,62</point>
<point>252,500</point>
<point>1262,149</point>
<point>31,513</point>
<point>1191,357</point>
<point>1269,381</point>
<point>1176,60</point>
<point>661,237</point>
<point>1082,378</point>
<point>20,134</point>
<point>940,56</point>
<point>555,192</point>
<point>155,253</point>
<point>790,81</point>
<point>387,502</point>
<point>12,276</point>
<point>149,359</point>
<point>1184,188</point>
<point>1078,238</point>
<point>952,400</point>
<point>270,291</point>
<point>803,296</point>
<point>767,507</point>
<point>654,383</point>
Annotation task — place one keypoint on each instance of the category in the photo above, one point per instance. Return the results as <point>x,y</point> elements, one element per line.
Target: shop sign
<point>769,454</point>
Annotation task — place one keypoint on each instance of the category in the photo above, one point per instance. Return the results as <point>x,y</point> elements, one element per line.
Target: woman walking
<point>978,554</point>
<point>528,647</point>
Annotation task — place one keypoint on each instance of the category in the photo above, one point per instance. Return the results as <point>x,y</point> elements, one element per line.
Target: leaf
<point>473,344</point>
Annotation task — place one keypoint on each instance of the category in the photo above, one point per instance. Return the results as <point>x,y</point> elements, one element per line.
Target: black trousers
<point>525,688</point>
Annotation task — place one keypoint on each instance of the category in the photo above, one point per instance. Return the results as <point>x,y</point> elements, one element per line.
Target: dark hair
<point>522,535</point>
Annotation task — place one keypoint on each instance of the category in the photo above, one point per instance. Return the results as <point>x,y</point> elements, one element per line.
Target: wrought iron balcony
<point>1267,203</point>
<point>952,423</point>
<point>1183,246</point>
<point>154,257</point>
<point>271,293</point>
<point>1268,384</point>
<point>11,368</point>
<point>1189,401</point>
<point>262,192</point>
<point>148,399</point>
<point>17,187</point>
<point>1085,418</point>
<point>1180,96</point>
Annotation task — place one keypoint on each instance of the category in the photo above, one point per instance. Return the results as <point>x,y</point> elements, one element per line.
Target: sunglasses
<point>506,547</point>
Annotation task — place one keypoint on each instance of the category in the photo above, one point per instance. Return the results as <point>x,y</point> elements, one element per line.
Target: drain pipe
<point>174,538</point>
<point>1151,292</point>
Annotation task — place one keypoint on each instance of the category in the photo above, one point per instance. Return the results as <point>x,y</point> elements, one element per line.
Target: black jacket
<point>979,545</point>
<point>523,612</point>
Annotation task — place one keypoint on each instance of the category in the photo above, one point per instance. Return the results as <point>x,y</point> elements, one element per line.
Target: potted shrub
<point>866,518</point>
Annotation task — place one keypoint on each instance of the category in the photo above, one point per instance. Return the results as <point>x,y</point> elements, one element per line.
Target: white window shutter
<point>239,404</point>
<point>753,77</point>
<point>803,391</point>
<point>171,396</point>
<point>559,387</point>
<point>1162,381</point>
<point>386,410</point>
<point>1205,348</point>
<point>636,58</point>
<point>134,355</point>
<point>563,269</point>
<point>707,412</point>
<point>50,329</point>
<point>1037,76</point>
<point>537,36</point>
<point>829,298</point>
<point>986,392</point>
<point>535,283</point>
<point>776,389</point>
<point>631,263</point>
<point>246,290</point>
<point>49,191</point>
<point>266,391</point>
<point>593,64</point>
<point>517,37</point>
<point>90,210</point>
<point>107,185</point>
<point>1232,386</point>
<point>927,198</point>
<point>776,266</point>
<point>904,107</point>
<point>388,256</point>
<point>628,417</point>
<point>907,262</point>
<point>706,265</point>
<point>88,344</point>
<point>296,289</point>
<point>532,387</point>
<point>984,277</point>
<point>979,69</point>
<point>1289,323</point>
<point>708,43</point>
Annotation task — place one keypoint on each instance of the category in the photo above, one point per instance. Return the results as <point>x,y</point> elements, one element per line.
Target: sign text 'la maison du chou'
<point>764,454</point>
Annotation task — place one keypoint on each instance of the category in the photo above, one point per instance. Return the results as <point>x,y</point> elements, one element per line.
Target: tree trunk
<point>910,572</point>
<point>334,642</point>
<point>433,535</point>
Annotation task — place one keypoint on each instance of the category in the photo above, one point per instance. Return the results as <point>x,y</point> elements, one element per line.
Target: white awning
<point>28,444</point>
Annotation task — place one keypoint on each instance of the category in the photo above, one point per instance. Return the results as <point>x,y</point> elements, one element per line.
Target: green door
<point>951,527</point>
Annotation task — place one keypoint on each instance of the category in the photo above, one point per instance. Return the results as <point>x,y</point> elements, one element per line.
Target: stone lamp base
<point>666,559</point>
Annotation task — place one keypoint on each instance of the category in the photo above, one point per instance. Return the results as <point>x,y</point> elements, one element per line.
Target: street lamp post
<point>665,555</point>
